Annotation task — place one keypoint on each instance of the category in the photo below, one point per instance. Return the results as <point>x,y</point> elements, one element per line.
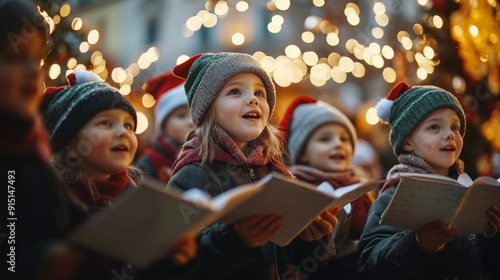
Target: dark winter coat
<point>157,159</point>
<point>222,256</point>
<point>393,253</point>
<point>35,207</point>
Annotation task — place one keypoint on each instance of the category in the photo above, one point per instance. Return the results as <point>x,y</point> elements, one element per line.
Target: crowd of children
<point>69,154</point>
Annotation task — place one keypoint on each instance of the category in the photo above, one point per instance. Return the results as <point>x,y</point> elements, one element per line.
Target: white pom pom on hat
<point>383,108</point>
<point>79,77</point>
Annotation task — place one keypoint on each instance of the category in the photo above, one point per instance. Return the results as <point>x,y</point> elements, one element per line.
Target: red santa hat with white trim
<point>169,93</point>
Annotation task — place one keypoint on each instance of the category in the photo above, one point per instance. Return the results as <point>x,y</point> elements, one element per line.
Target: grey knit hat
<point>406,107</point>
<point>206,73</point>
<point>304,116</point>
<point>67,109</point>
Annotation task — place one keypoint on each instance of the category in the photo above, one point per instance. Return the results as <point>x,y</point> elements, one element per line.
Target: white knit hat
<point>167,103</point>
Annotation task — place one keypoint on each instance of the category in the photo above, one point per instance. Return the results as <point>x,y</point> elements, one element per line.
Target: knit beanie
<point>304,116</point>
<point>67,109</point>
<point>19,20</point>
<point>206,73</point>
<point>407,106</point>
<point>169,93</point>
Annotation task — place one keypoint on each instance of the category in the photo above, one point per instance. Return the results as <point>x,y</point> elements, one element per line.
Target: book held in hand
<point>423,198</point>
<point>143,224</point>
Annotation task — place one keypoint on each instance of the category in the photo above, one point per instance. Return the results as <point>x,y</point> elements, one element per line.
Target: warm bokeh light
<point>353,19</point>
<point>194,23</point>
<point>93,37</point>
<point>318,3</point>
<point>437,21</point>
<point>118,75</point>
<point>338,75</point>
<point>321,71</point>
<point>308,37</point>
<point>84,47</point>
<point>282,5</point>
<point>76,24</point>
<point>273,27</point>
<point>221,8</point>
<point>473,30</point>
<point>389,75</point>
<point>148,100</point>
<point>153,54</point>
<point>371,116</point>
<point>422,73</point>
<point>54,71</point>
<point>278,19</point>
<point>209,20</point>
<point>65,10</point>
<point>379,8</point>
<point>418,29</point>
<point>429,52</point>
<point>378,32</point>
<point>382,20</point>
<point>241,6</point>
<point>292,51</point>
<point>310,58</point>
<point>142,123</point>
<point>359,70</point>
<point>71,63</point>
<point>387,52</point>
<point>238,39</point>
<point>332,39</point>
<point>346,64</point>
<point>125,90</point>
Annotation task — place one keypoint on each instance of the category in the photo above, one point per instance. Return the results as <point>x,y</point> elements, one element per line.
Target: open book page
<point>142,224</point>
<point>481,195</point>
<point>344,195</point>
<point>420,199</point>
<point>298,202</point>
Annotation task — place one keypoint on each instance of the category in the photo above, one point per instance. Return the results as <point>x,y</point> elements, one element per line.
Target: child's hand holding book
<point>494,215</point>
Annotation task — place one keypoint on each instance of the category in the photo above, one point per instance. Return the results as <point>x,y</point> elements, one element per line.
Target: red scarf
<point>228,152</point>
<point>159,159</point>
<point>101,193</point>
<point>23,137</point>
<point>336,179</point>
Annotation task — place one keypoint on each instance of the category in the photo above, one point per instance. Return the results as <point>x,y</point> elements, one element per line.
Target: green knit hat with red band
<point>67,109</point>
<point>407,106</point>
<point>206,73</point>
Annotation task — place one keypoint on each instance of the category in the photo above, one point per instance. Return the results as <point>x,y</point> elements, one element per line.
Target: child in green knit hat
<point>231,99</point>
<point>427,130</point>
<point>92,133</point>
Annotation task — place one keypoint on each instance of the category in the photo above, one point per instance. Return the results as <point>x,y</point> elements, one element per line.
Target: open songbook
<point>141,225</point>
<point>422,198</point>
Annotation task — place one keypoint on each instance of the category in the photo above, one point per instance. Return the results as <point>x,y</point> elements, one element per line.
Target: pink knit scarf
<point>227,151</point>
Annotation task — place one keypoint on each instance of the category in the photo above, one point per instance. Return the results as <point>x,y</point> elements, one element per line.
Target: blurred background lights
<point>308,37</point>
<point>142,123</point>
<point>93,37</point>
<point>282,4</point>
<point>84,47</point>
<point>292,51</point>
<point>76,24</point>
<point>148,100</point>
<point>238,39</point>
<point>65,10</point>
<point>371,116</point>
<point>241,6</point>
<point>54,71</point>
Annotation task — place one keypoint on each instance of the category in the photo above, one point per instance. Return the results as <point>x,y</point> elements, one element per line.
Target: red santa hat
<point>169,93</point>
